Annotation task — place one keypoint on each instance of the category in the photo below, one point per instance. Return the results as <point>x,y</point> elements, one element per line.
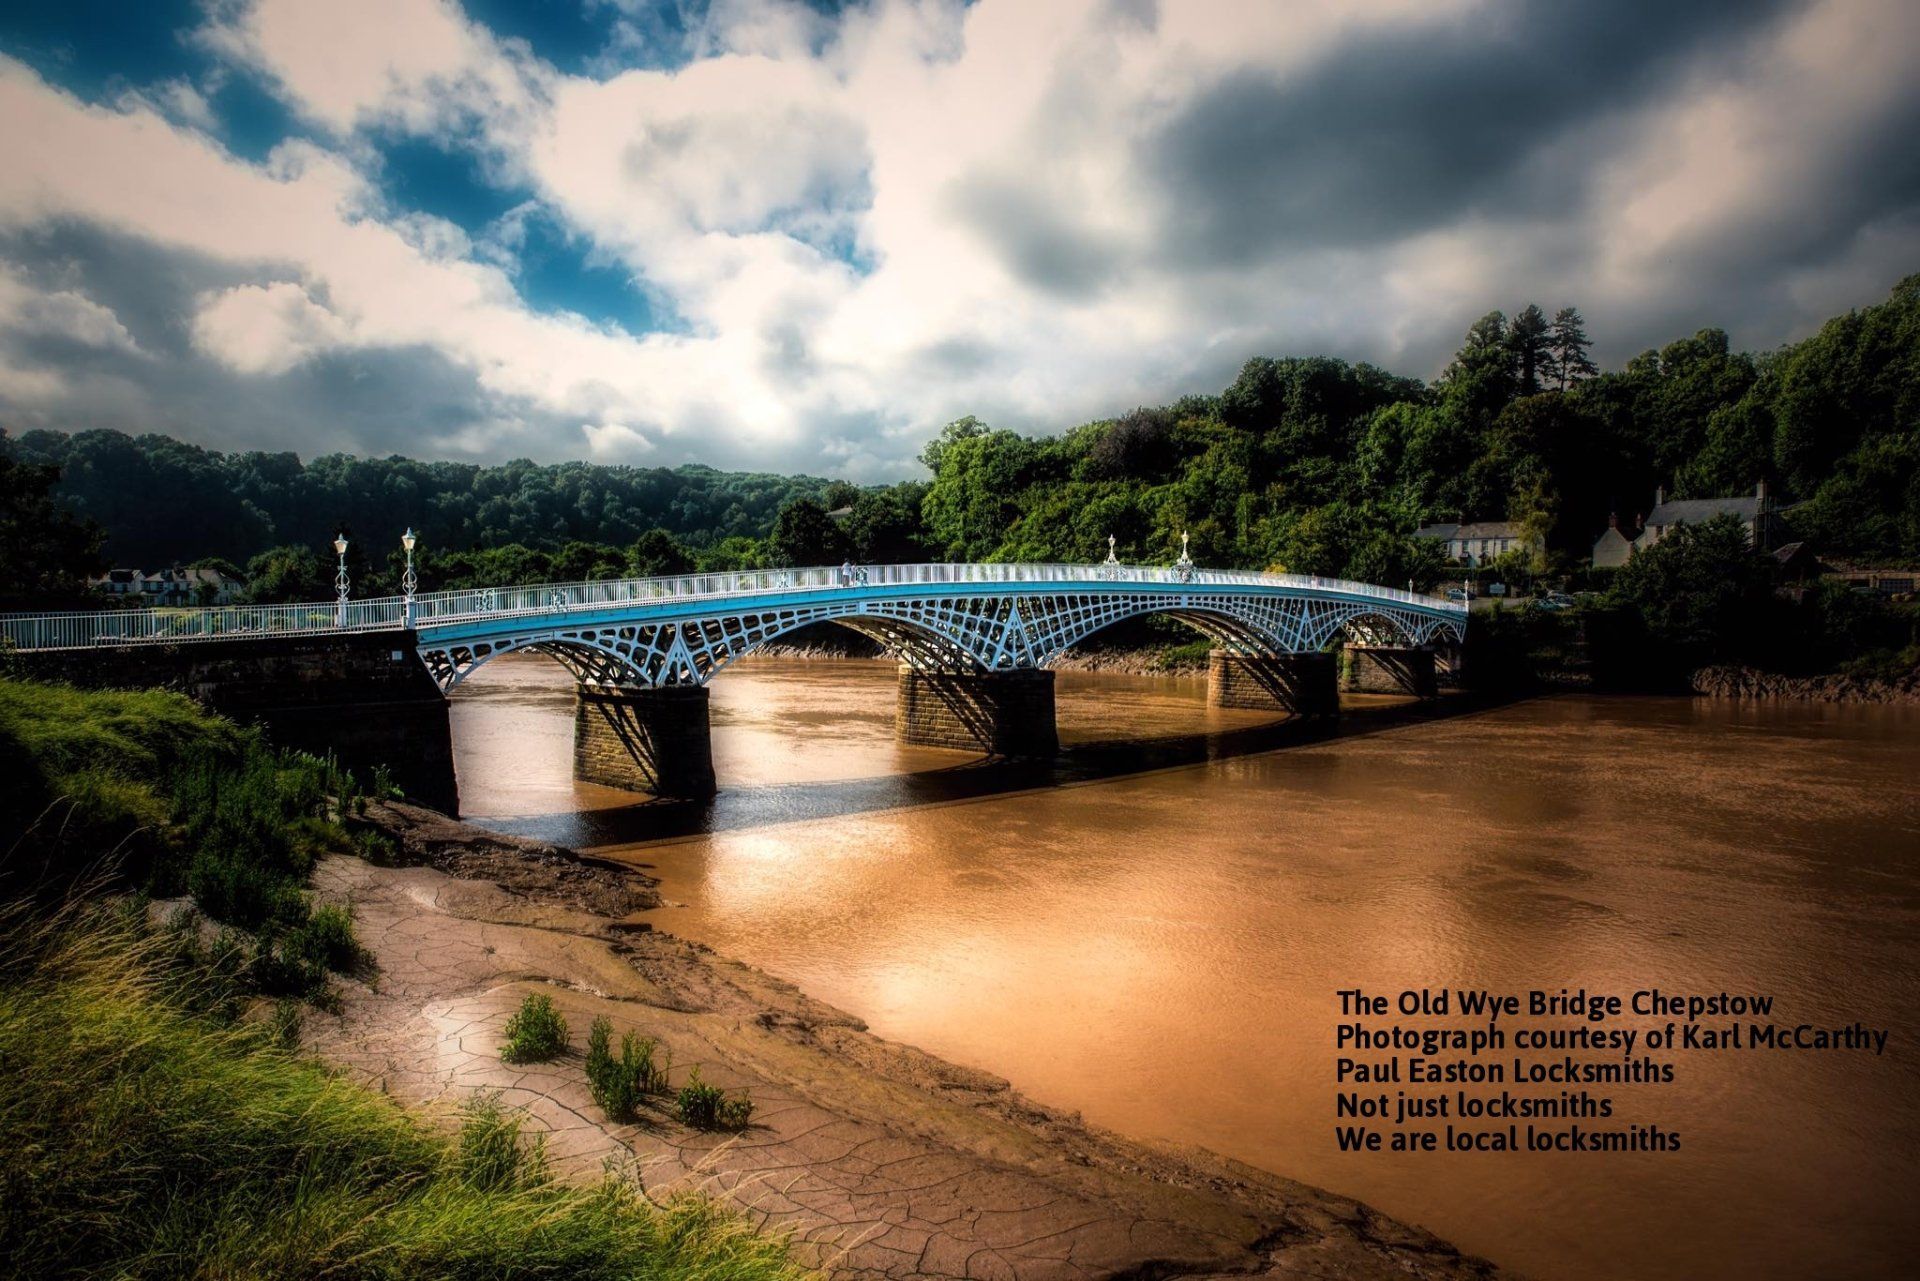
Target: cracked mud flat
<point>881,1161</point>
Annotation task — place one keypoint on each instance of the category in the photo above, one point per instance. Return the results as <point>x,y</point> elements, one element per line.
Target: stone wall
<point>1303,684</point>
<point>644,740</point>
<point>1384,669</point>
<point>1000,713</point>
<point>364,696</point>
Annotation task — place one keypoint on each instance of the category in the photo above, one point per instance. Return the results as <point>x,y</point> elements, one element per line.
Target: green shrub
<point>619,1084</point>
<point>708,1107</point>
<point>326,939</point>
<point>536,1031</point>
<point>376,847</point>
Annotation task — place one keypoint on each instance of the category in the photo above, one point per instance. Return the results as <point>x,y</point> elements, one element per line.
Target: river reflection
<point>1161,951</point>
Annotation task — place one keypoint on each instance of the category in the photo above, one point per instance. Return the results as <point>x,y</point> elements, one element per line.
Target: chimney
<point>1760,492</point>
<point>1613,520</point>
<point>1659,495</point>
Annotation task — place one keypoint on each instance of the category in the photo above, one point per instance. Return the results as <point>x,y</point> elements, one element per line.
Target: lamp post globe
<point>407,580</point>
<point>340,582</point>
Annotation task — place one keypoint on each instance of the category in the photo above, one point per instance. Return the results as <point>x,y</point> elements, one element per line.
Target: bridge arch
<point>988,632</point>
<point>692,651</point>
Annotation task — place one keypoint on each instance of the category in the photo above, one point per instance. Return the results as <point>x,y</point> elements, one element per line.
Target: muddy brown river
<point>1161,949</point>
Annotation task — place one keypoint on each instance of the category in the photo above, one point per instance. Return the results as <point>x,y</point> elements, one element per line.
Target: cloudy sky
<point>801,236</point>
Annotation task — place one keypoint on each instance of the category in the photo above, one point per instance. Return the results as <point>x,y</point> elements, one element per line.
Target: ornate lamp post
<point>340,583</point>
<point>407,580</point>
<point>1183,568</point>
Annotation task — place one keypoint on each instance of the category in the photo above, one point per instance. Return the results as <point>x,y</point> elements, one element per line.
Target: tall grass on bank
<point>147,1139</point>
<point>169,799</point>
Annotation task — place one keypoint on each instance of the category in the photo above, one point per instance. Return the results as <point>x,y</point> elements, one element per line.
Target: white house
<point>1755,511</point>
<point>169,587</point>
<point>1476,542</point>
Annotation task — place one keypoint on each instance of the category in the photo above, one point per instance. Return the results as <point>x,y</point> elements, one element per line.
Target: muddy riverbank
<point>883,1161</point>
<point>1751,683</point>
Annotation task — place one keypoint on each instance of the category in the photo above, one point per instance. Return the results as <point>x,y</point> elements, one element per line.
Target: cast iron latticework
<point>989,631</point>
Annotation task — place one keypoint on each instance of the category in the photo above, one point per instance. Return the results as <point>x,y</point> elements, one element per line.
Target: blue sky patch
<point>556,272</point>
<point>95,48</point>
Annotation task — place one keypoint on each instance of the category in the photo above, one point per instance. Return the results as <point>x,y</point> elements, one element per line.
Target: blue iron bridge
<point>673,632</point>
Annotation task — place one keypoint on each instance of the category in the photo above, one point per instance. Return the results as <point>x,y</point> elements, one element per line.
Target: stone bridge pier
<point>1000,713</point>
<point>1303,684</point>
<point>1390,669</point>
<point>644,739</point>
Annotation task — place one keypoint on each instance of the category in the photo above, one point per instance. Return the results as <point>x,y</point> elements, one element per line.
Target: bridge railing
<point>542,598</point>
<point>161,626</point>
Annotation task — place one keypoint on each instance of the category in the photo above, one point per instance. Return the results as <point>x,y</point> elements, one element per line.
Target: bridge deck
<point>449,616</point>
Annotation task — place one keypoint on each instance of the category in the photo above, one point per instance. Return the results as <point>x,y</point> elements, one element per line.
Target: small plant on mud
<point>708,1107</point>
<point>618,1084</point>
<point>536,1032</point>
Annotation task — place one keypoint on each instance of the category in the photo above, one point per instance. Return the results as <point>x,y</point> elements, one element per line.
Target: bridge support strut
<point>641,739</point>
<point>1388,669</point>
<point>1303,684</point>
<point>1000,713</point>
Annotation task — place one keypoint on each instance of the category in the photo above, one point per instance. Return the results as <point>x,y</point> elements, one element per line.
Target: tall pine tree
<point>1567,347</point>
<point>1528,336</point>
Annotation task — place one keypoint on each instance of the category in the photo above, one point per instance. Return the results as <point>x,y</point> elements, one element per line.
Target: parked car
<point>1459,595</point>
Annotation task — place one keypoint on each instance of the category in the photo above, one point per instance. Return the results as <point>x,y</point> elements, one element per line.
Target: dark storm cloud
<point>1401,130</point>
<point>148,289</point>
<point>376,401</point>
<point>1039,242</point>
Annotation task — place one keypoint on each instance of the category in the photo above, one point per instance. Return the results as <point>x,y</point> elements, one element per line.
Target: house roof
<point>1698,511</point>
<point>1488,529</point>
<point>1442,532</point>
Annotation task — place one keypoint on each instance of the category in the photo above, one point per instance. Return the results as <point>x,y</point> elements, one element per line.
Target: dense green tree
<point>583,562</point>
<point>731,553</point>
<point>658,554</point>
<point>1481,379</point>
<point>884,525</point>
<point>803,535</point>
<point>163,500</point>
<point>1140,445</point>
<point>45,554</point>
<point>1856,380</point>
<point>1703,592</point>
<point>957,430</point>
<point>289,573</point>
<point>984,483</point>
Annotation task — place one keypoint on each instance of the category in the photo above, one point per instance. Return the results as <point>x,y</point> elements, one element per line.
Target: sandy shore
<point>881,1160</point>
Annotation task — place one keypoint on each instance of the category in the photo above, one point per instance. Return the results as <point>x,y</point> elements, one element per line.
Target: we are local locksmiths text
<point>1541,1070</point>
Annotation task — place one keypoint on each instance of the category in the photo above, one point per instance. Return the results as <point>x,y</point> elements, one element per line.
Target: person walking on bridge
<point>846,573</point>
